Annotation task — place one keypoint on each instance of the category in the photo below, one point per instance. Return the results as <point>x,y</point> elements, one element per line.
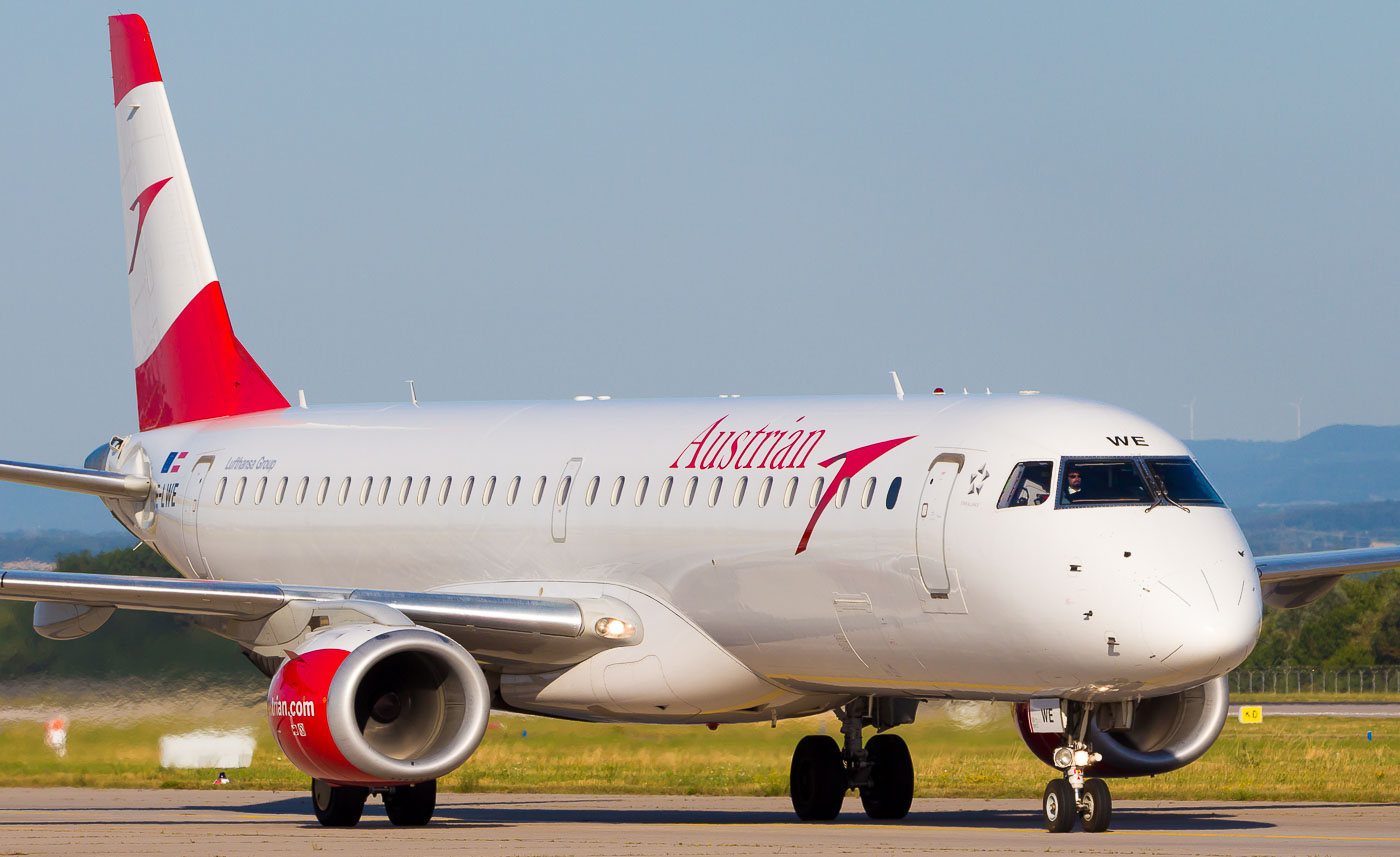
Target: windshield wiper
<point>1160,495</point>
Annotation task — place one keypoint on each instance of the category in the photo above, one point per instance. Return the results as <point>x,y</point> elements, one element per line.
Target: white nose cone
<point>1201,619</point>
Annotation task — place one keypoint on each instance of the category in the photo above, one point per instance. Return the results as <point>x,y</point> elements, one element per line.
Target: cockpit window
<point>1183,481</point>
<point>1028,485</point>
<point>1090,482</point>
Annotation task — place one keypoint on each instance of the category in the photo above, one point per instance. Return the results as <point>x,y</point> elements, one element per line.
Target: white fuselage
<point>944,594</point>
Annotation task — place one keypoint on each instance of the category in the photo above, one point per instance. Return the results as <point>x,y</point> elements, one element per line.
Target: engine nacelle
<point>374,705</point>
<point>1164,732</point>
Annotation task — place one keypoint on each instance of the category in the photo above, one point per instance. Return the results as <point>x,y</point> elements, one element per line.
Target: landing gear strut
<point>822,773</point>
<point>1072,796</point>
<point>342,806</point>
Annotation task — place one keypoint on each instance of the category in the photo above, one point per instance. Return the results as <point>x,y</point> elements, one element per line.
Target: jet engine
<point>374,705</point>
<point>1141,737</point>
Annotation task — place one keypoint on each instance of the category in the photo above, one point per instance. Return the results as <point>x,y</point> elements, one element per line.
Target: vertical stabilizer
<point>189,365</point>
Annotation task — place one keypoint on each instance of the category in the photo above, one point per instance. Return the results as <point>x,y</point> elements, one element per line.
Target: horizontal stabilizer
<point>103,483</point>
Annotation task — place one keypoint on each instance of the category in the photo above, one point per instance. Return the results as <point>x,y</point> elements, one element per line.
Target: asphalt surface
<point>98,821</point>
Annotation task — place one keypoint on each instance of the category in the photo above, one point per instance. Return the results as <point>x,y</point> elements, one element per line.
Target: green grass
<point>1285,758</point>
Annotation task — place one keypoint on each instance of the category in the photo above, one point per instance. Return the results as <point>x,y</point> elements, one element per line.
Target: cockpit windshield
<point>1134,482</point>
<point>1183,481</point>
<point>1101,481</point>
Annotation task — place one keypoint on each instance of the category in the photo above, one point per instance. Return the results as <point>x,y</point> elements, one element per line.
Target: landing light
<point>614,629</point>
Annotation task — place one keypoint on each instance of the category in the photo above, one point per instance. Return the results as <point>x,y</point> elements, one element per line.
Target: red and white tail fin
<point>189,365</point>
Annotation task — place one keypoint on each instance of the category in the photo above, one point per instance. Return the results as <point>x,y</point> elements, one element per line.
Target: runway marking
<point>1321,837</point>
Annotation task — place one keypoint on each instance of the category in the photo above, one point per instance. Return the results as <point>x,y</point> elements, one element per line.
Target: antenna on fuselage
<point>301,399</point>
<point>898,387</point>
<point>413,394</point>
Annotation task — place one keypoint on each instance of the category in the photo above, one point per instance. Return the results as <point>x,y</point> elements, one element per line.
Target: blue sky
<point>1136,203</point>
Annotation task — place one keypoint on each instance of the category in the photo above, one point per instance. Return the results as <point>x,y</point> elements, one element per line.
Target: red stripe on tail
<point>200,370</point>
<point>133,57</point>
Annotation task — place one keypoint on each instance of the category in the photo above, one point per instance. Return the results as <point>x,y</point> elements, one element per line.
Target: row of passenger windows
<point>380,490</point>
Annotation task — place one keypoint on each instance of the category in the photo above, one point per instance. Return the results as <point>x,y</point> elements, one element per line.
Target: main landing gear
<point>881,769</point>
<point>1072,796</point>
<point>342,806</point>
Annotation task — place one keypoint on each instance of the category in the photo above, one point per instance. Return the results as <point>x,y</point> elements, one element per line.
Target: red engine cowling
<point>374,705</point>
<point>1167,732</point>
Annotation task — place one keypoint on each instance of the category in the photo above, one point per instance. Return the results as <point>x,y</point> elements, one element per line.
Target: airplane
<point>400,570</point>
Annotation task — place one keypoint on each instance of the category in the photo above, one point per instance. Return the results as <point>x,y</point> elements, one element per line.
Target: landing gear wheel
<point>1057,806</point>
<point>891,788</point>
<point>337,806</point>
<point>411,806</point>
<point>1096,806</point>
<point>818,779</point>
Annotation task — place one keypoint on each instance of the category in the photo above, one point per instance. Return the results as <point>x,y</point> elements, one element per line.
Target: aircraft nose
<point>1202,618</point>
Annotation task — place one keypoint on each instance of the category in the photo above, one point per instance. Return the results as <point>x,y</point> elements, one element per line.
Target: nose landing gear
<point>881,769</point>
<point>1072,796</point>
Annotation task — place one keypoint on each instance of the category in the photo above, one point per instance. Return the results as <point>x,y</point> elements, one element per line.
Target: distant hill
<point>1337,464</point>
<point>44,546</point>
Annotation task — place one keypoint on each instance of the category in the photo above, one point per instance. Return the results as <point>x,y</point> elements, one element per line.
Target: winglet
<point>133,58</point>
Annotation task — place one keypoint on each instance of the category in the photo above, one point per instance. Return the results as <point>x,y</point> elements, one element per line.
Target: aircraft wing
<point>1295,579</point>
<point>266,616</point>
<point>103,483</point>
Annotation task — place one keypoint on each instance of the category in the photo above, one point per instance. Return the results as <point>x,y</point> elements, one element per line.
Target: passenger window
<point>384,489</point>
<point>868,494</point>
<point>539,491</point>
<point>365,490</point>
<point>617,489</point>
<point>423,490</point>
<point>562,495</point>
<point>344,490</point>
<point>405,489</point>
<point>323,490</point>
<point>664,495</point>
<point>592,493</point>
<point>238,490</point>
<point>739,488</point>
<point>816,495</point>
<point>790,493</point>
<point>446,490</point>
<point>1028,485</point>
<point>1092,482</point>
<point>512,490</point>
<point>301,489</point>
<point>841,491</point>
<point>690,486</point>
<point>219,490</point>
<point>262,489</point>
<point>641,495</point>
<point>892,496</point>
<point>764,489</point>
<point>467,489</point>
<point>487,490</point>
<point>281,491</point>
<point>714,490</point>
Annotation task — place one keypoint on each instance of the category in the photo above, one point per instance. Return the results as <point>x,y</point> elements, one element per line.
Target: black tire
<point>818,779</point>
<point>891,788</point>
<point>1097,806</point>
<point>1057,806</point>
<point>411,806</point>
<point>337,806</point>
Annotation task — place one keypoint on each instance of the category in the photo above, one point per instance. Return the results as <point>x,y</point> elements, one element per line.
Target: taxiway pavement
<point>118,822</point>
